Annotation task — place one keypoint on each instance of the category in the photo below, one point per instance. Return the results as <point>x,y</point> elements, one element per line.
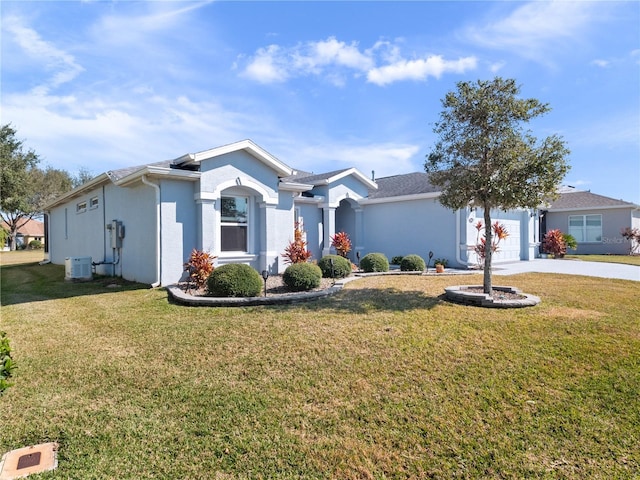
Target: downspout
<point>156,187</point>
<point>458,257</point>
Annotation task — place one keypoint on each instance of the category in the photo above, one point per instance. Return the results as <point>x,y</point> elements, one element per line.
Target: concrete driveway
<point>571,267</point>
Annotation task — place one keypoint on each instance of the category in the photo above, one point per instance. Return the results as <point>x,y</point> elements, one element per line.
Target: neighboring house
<point>31,230</point>
<point>595,221</point>
<point>240,203</point>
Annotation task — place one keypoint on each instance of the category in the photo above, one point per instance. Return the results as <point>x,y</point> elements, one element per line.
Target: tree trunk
<point>488,252</point>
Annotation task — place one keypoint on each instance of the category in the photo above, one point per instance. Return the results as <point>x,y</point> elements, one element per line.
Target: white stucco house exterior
<point>240,203</point>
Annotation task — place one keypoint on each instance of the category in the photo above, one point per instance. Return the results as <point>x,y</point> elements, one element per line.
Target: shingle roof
<point>401,185</point>
<point>33,228</point>
<point>310,177</point>
<point>115,175</point>
<point>578,200</point>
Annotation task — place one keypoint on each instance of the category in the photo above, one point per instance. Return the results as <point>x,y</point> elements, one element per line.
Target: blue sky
<point>322,86</point>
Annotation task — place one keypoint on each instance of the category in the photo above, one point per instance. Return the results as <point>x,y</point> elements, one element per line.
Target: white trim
<point>294,187</point>
<point>244,182</point>
<point>402,198</point>
<point>246,145</point>
<point>315,200</point>
<point>588,209</point>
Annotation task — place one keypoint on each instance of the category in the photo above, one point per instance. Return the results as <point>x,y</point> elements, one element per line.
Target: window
<point>94,202</point>
<point>586,228</point>
<point>81,207</point>
<point>233,215</point>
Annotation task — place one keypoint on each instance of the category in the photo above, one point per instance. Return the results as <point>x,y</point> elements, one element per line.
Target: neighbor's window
<point>94,202</point>
<point>81,207</point>
<point>586,228</point>
<point>234,216</point>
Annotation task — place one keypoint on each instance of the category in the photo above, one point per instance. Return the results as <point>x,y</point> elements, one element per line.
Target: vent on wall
<point>77,268</point>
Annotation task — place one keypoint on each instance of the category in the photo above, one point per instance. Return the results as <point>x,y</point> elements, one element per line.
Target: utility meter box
<point>117,233</point>
<point>77,268</point>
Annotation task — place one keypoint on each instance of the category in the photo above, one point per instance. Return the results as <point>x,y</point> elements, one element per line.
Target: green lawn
<point>626,259</point>
<point>383,380</point>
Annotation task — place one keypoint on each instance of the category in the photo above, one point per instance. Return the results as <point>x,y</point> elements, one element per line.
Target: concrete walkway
<point>571,267</point>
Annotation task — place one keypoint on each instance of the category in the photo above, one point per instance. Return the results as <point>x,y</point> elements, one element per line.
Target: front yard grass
<point>383,380</point>
<point>625,259</point>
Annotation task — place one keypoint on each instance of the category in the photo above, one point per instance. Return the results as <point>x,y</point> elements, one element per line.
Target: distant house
<point>595,221</point>
<point>240,203</point>
<point>32,230</point>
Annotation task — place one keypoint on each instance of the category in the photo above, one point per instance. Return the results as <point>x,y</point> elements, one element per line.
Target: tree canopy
<point>485,158</point>
<point>26,188</point>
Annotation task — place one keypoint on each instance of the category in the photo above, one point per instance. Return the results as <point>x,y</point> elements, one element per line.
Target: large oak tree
<point>24,188</point>
<point>485,158</point>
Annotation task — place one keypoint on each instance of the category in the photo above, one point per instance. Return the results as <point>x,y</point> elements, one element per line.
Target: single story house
<point>240,203</point>
<point>31,230</point>
<point>595,221</point>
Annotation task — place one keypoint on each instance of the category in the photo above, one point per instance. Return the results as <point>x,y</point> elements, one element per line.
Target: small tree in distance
<point>484,158</point>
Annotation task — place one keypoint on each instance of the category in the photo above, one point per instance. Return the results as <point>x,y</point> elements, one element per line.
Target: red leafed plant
<point>554,243</point>
<point>341,242</point>
<point>499,233</point>
<point>296,251</point>
<point>199,266</point>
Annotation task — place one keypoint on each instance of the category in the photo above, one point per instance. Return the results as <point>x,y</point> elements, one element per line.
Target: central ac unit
<point>77,268</point>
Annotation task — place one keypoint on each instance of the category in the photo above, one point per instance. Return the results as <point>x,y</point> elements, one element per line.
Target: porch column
<point>329,228</point>
<point>358,242</point>
<point>269,259</point>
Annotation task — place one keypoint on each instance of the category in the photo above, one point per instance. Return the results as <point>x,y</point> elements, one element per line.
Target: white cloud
<point>267,66</point>
<point>385,158</point>
<point>601,63</point>
<point>62,64</point>
<point>536,29</point>
<point>420,69</point>
<point>333,59</point>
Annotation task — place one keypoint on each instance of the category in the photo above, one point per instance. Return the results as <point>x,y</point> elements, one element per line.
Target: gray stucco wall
<point>79,234</point>
<point>415,226</point>
<point>613,220</point>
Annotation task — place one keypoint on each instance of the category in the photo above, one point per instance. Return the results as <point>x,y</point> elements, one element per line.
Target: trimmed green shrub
<point>374,262</point>
<point>7,365</point>
<point>300,277</point>
<point>396,260</point>
<point>234,280</point>
<point>412,263</point>
<point>341,266</point>
<point>35,244</point>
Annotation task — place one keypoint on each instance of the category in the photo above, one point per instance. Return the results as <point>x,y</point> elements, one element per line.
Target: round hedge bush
<point>300,277</point>
<point>374,262</point>
<point>412,263</point>
<point>234,280</point>
<point>341,266</point>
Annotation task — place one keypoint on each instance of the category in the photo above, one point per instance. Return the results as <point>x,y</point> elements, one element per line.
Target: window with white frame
<point>234,215</point>
<point>81,207</point>
<point>586,228</point>
<point>94,202</point>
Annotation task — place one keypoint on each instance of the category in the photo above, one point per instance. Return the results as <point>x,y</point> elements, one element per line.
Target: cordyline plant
<point>499,233</point>
<point>296,251</point>
<point>554,243</point>
<point>341,242</point>
<point>199,266</point>
<point>633,236</point>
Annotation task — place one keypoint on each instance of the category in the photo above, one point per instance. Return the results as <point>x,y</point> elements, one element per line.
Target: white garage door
<point>509,248</point>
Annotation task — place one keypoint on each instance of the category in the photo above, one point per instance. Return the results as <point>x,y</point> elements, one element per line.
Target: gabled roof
<point>246,145</point>
<point>329,177</point>
<point>579,200</point>
<point>33,228</point>
<point>403,185</point>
